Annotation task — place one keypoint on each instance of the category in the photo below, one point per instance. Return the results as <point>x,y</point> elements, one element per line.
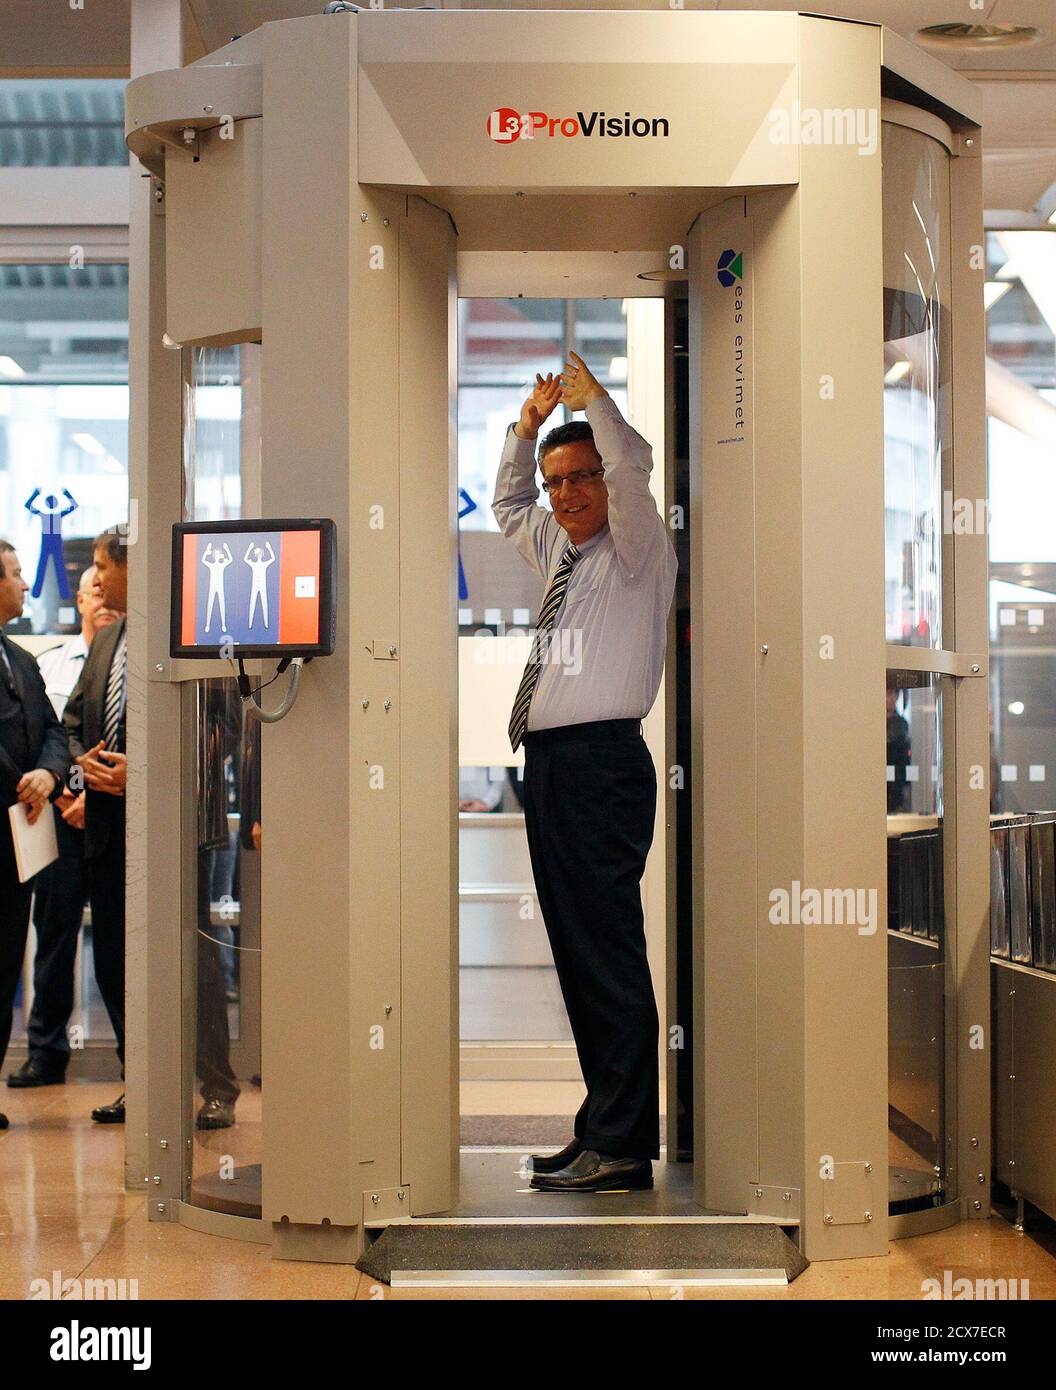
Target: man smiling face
<point>581,508</point>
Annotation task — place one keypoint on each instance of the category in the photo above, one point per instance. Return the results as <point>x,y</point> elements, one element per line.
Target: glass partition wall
<point>917,473</point>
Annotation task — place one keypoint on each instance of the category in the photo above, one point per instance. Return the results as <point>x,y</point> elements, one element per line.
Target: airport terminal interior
<point>276,279</point>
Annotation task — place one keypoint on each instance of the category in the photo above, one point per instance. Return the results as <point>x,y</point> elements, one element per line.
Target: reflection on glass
<point>226,1105</point>
<point>920,1159</point>
<point>916,380</point>
<point>216,382</point>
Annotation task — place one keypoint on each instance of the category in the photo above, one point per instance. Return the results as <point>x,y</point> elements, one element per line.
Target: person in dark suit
<point>34,759</point>
<point>95,722</point>
<point>60,891</point>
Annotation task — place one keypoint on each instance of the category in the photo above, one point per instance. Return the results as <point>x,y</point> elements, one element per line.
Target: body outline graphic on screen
<point>216,568</point>
<point>259,566</point>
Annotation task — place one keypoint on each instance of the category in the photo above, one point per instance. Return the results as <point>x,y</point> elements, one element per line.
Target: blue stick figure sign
<point>51,515</point>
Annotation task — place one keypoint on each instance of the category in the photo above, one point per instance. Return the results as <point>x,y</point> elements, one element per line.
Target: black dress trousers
<point>105,875</point>
<point>58,910</point>
<point>589,809</point>
<point>14,928</point>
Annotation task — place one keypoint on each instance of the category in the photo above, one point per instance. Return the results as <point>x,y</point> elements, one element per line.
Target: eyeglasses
<point>580,476</point>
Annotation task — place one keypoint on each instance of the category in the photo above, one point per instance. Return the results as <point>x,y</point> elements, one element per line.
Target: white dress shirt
<point>61,667</point>
<point>609,637</point>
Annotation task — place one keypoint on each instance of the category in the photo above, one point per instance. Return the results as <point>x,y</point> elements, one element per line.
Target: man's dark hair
<point>5,546</point>
<point>113,543</point>
<point>572,433</point>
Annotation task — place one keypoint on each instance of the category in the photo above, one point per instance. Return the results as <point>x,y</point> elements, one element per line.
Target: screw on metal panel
<point>786,1196</point>
<point>980,1177</point>
<point>1011,994</point>
<point>392,648</point>
<point>400,1195</point>
<point>1012,1077</point>
<point>868,1216</point>
<point>1011,1162</point>
<point>163,1143</point>
<point>758,1191</point>
<point>159,667</point>
<point>365,703</point>
<point>362,216</point>
<point>189,135</point>
<point>161,1206</point>
<point>156,1180</point>
<point>975,665</point>
<point>969,142</point>
<point>388,1009</point>
<point>388,704</point>
<point>977,1206</point>
<point>765,648</point>
<point>519,195</point>
<point>974,1143</point>
<point>868,1167</point>
<point>208,110</point>
<point>384,221</point>
<point>159,194</point>
<point>375,1198</point>
<point>828,1218</point>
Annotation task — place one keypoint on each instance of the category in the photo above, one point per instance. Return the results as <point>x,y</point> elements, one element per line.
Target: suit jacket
<point>104,814</point>
<point>47,738</point>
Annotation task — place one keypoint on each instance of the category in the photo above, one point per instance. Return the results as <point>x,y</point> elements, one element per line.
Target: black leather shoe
<point>553,1163</point>
<point>32,1073</point>
<point>215,1114</point>
<point>110,1114</point>
<point>594,1172</point>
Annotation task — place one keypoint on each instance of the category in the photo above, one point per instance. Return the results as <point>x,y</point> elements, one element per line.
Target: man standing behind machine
<point>95,721</point>
<point>589,780</point>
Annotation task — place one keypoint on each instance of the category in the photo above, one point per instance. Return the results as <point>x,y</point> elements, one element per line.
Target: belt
<point>595,731</point>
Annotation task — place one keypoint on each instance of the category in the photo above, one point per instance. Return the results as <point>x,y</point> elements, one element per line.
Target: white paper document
<point>35,845</point>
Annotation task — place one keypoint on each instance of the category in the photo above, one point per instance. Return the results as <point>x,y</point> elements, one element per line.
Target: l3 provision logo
<point>730,268</point>
<point>505,125</point>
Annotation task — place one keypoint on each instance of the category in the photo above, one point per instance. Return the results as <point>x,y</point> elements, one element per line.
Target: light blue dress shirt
<point>606,653</point>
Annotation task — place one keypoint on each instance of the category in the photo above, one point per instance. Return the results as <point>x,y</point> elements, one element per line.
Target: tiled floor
<point>62,1210</point>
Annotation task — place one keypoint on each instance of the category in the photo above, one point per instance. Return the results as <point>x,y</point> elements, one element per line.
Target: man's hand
<point>34,788</point>
<point>72,810</point>
<point>580,385</point>
<point>541,404</point>
<point>104,771</point>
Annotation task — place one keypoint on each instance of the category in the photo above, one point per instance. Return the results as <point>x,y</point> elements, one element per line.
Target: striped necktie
<point>115,696</point>
<point>552,600</point>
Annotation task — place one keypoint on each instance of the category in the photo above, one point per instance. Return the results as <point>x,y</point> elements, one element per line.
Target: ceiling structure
<point>1018,79</point>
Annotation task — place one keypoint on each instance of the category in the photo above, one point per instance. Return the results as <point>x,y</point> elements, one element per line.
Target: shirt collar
<point>584,547</point>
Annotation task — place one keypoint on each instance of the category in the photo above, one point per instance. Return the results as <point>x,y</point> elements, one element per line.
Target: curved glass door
<point>223,1098</point>
<point>916,199</point>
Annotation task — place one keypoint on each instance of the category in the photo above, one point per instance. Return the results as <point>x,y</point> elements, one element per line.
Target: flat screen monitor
<point>254,588</point>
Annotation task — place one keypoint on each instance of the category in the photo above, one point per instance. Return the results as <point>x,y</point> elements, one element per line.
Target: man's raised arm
<point>532,529</point>
<point>635,524</point>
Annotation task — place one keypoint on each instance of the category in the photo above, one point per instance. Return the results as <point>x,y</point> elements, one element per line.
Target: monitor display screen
<point>253,588</point>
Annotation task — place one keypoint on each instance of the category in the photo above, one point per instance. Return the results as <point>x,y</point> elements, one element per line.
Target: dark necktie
<point>552,600</point>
